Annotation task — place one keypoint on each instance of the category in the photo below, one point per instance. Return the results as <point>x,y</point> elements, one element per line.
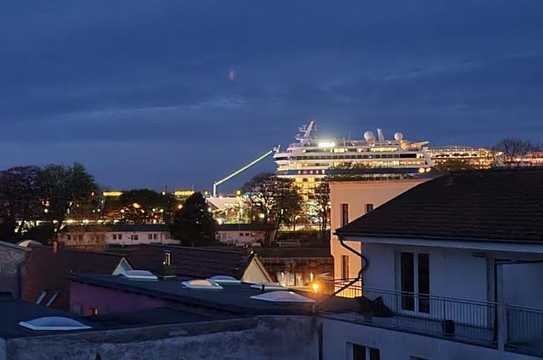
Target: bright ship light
<point>327,144</point>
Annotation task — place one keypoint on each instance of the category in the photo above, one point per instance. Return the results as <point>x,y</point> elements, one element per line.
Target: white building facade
<point>452,270</point>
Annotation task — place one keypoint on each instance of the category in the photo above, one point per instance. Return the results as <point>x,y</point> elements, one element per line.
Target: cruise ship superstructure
<point>311,158</point>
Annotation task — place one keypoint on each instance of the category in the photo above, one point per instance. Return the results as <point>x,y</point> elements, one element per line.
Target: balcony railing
<point>512,328</point>
<point>524,329</point>
<point>459,319</point>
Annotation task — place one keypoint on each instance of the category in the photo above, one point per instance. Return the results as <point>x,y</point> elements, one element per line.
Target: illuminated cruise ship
<point>311,158</point>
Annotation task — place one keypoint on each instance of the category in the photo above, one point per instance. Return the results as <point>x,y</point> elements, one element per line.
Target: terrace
<point>501,326</point>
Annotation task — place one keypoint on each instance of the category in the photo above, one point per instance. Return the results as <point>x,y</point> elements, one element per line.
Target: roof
<point>232,299</point>
<point>14,311</point>
<point>503,205</point>
<point>192,262</point>
<point>245,227</point>
<point>45,270</point>
<point>117,228</point>
<point>156,316</point>
<point>281,252</point>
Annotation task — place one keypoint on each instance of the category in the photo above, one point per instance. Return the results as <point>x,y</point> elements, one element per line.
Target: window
<point>361,352</point>
<point>345,267</point>
<point>93,311</point>
<point>167,258</point>
<point>120,236</point>
<point>149,236</point>
<point>114,236</point>
<point>415,279</point>
<point>369,208</point>
<point>68,237</point>
<point>344,214</point>
<point>155,236</point>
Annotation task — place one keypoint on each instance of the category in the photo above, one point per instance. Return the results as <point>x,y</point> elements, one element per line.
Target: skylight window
<point>139,275</point>
<point>54,323</point>
<point>225,279</point>
<point>203,284</point>
<point>283,297</point>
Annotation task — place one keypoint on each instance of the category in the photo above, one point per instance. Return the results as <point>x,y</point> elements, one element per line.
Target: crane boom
<point>240,170</point>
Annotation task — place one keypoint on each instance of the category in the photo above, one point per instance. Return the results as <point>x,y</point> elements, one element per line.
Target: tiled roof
<point>45,270</point>
<point>493,205</point>
<point>193,262</point>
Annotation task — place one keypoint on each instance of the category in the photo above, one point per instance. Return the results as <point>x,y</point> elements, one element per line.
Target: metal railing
<point>441,316</point>
<point>454,318</point>
<point>524,329</point>
<point>353,291</point>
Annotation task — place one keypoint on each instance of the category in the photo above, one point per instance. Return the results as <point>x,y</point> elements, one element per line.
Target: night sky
<point>178,93</point>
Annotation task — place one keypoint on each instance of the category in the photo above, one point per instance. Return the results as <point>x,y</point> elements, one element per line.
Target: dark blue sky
<point>150,92</point>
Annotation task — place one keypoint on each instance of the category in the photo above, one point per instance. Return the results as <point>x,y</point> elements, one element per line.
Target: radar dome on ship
<point>369,136</point>
<point>398,136</point>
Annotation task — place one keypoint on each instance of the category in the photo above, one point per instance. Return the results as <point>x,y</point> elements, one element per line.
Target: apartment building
<point>452,269</point>
<point>102,236</point>
<point>353,197</point>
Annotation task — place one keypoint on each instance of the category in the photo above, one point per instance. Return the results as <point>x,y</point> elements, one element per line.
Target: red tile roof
<point>492,205</point>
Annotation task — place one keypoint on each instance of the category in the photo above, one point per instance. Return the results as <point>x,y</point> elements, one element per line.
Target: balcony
<point>454,319</point>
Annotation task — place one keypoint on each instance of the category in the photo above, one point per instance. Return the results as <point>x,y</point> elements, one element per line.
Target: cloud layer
<point>142,91</point>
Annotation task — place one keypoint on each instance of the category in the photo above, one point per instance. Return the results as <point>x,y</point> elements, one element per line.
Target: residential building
<point>198,262</point>
<point>452,269</point>
<point>45,270</point>
<point>297,267</point>
<point>30,331</point>
<point>357,195</point>
<point>102,236</point>
<point>244,234</point>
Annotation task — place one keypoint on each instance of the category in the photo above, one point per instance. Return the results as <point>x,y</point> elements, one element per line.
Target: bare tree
<point>512,149</point>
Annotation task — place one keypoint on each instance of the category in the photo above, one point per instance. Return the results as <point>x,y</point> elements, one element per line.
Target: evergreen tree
<point>193,224</point>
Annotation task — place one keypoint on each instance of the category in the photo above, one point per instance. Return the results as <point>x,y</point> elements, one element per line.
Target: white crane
<point>242,169</point>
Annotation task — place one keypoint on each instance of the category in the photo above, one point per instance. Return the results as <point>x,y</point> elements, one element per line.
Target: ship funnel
<point>380,135</point>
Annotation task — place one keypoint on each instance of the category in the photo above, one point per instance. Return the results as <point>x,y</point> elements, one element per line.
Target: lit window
<point>344,214</point>
<point>369,207</point>
<point>167,258</point>
<point>345,267</point>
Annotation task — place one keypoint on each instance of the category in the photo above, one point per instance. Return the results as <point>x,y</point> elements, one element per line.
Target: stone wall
<point>261,338</point>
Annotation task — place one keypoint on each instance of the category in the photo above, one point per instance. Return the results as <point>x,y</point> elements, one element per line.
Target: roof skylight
<point>283,297</point>
<point>139,275</point>
<point>203,284</point>
<point>53,323</point>
<point>225,279</point>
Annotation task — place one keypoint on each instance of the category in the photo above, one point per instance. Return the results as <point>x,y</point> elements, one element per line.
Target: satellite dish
<point>369,136</point>
<point>398,136</point>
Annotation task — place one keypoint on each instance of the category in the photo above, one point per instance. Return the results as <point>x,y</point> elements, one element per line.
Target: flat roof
<point>232,298</point>
<point>13,311</point>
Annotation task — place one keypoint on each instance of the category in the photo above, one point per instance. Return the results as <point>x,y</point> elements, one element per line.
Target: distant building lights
<point>136,205</point>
